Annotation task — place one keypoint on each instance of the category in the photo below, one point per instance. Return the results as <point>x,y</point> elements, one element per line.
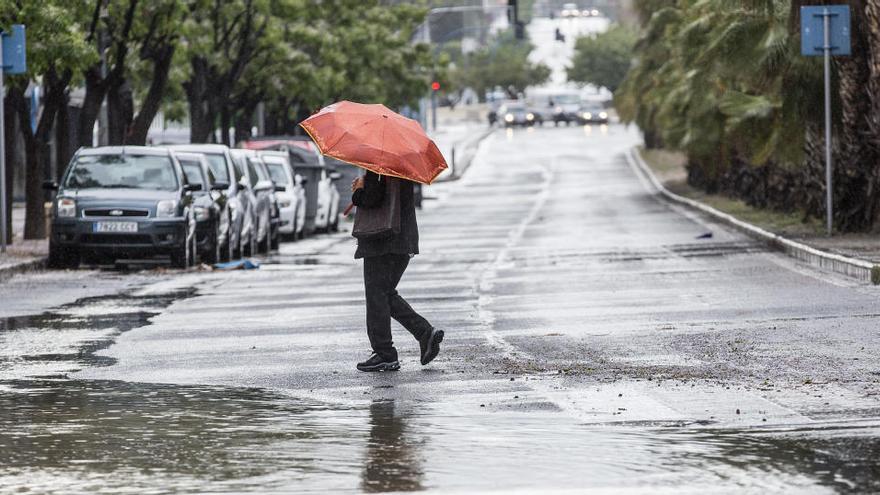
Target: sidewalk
<point>458,134</point>
<point>854,255</point>
<point>22,255</point>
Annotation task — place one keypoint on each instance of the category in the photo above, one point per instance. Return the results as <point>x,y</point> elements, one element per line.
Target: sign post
<point>825,31</point>
<point>12,61</point>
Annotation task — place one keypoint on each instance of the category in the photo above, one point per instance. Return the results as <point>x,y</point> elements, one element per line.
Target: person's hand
<point>356,184</point>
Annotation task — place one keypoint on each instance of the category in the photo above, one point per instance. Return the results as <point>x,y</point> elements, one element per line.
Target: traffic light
<point>435,86</point>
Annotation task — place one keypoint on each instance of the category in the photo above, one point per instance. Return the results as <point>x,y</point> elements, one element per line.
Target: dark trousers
<point>381,275</point>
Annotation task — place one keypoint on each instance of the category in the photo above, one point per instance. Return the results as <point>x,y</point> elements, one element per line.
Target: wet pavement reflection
<point>67,436</point>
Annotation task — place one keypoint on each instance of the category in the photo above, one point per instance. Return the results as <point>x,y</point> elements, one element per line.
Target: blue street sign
<point>813,29</point>
<point>14,59</point>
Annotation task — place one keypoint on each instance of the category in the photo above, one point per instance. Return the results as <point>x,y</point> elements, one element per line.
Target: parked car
<point>318,181</point>
<point>209,204</point>
<point>238,197</point>
<point>257,180</point>
<point>592,113</point>
<point>291,196</point>
<point>122,202</point>
<point>516,113</point>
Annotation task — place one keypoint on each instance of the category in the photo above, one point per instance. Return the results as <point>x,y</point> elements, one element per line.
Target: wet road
<point>596,338</point>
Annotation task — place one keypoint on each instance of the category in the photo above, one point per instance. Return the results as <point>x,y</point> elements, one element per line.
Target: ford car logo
<point>115,213</point>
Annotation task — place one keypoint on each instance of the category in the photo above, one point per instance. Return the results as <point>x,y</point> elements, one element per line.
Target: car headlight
<point>530,116</point>
<point>508,118</point>
<point>202,213</point>
<point>557,109</point>
<point>603,115</point>
<point>66,207</point>
<point>284,203</point>
<point>166,208</point>
<point>588,115</point>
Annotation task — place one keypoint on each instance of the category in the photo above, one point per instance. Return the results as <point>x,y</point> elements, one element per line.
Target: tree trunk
<point>153,100</point>
<point>872,21</point>
<point>197,96</point>
<point>120,112</point>
<point>95,91</point>
<point>225,123</point>
<point>63,151</point>
<point>37,147</point>
<point>10,130</point>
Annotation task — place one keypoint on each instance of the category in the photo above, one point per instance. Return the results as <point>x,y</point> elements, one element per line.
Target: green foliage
<point>55,38</point>
<point>504,63</point>
<point>718,78</point>
<point>604,59</point>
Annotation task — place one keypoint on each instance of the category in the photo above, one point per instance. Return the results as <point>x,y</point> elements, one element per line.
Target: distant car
<point>592,113</point>
<point>239,197</point>
<point>570,10</point>
<point>292,198</point>
<point>513,114</point>
<point>257,180</point>
<point>209,204</point>
<point>565,108</point>
<point>122,202</point>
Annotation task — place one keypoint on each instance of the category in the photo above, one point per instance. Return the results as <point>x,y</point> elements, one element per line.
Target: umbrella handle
<point>348,209</point>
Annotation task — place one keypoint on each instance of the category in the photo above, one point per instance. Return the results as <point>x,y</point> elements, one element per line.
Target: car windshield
<point>566,99</point>
<point>276,170</point>
<point>123,171</point>
<point>217,162</point>
<point>193,171</point>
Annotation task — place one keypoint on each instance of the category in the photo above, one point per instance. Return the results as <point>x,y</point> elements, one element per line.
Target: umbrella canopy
<point>377,139</point>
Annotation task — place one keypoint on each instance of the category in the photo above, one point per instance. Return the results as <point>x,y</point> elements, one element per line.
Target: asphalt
<point>596,338</point>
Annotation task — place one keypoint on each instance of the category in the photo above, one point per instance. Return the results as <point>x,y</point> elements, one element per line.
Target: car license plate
<point>116,227</point>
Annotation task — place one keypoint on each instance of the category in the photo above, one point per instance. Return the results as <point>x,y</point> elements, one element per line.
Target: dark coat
<point>371,196</point>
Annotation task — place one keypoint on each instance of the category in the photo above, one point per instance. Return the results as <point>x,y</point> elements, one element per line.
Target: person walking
<point>385,260</point>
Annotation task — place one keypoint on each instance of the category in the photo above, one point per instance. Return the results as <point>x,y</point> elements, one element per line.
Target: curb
<point>861,270</point>
<point>24,267</point>
<point>468,152</point>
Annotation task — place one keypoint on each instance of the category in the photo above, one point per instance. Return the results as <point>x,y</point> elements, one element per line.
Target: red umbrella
<point>377,139</point>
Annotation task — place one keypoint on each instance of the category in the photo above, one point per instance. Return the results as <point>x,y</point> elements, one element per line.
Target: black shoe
<point>431,345</point>
<point>378,363</point>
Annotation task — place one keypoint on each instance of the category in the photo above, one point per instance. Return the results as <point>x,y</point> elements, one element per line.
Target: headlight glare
<point>66,207</point>
<point>603,115</point>
<point>166,208</point>
<point>508,118</point>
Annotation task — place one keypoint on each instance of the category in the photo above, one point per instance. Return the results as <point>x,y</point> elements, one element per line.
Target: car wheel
<point>275,239</point>
<point>263,244</point>
<point>183,256</point>
<point>226,251</point>
<point>180,255</point>
<point>213,253</point>
<point>66,259</point>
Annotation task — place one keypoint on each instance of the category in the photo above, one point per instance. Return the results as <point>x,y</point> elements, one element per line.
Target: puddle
<point>62,436</point>
<point>67,338</point>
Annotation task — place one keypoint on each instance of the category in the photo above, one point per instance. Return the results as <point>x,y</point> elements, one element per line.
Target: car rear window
<point>123,171</point>
<point>276,170</point>
<point>217,162</point>
<point>193,171</point>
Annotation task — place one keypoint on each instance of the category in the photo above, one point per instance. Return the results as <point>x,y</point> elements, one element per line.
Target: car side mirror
<point>220,186</point>
<point>335,176</point>
<point>280,188</point>
<point>50,185</point>
<point>303,181</point>
<point>192,187</point>
<point>243,183</point>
